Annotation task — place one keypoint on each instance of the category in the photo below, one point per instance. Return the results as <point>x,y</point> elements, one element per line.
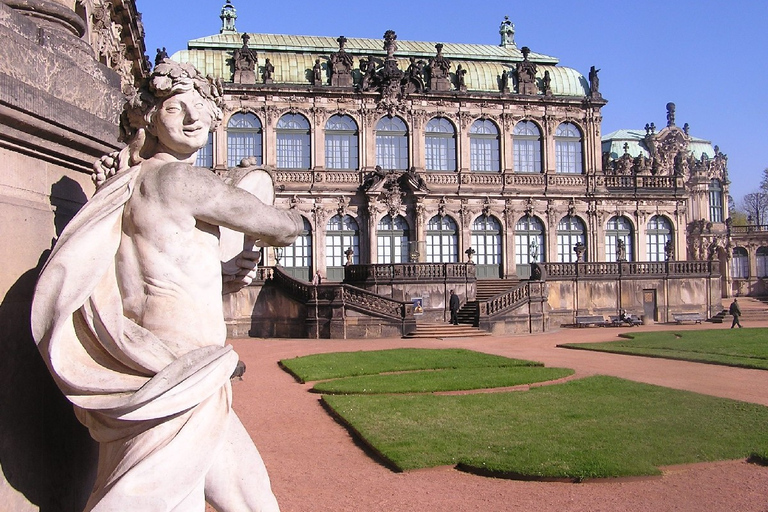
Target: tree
<point>755,206</point>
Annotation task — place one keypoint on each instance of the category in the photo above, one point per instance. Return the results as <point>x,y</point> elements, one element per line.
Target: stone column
<point>58,14</point>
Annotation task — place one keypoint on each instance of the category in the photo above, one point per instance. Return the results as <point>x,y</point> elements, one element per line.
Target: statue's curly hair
<point>168,78</point>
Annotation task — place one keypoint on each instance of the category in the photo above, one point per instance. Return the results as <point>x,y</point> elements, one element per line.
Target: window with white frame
<point>392,143</point>
<point>297,257</point>
<point>341,143</point>
<point>293,144</point>
<point>715,201</point>
<point>342,233</point>
<point>392,236</point>
<point>244,138</point>
<point>740,263</point>
<point>526,139</point>
<point>484,146</point>
<point>529,240</point>
<point>486,240</point>
<point>619,231</point>
<point>762,261</point>
<point>568,149</point>
<point>442,240</point>
<point>440,145</point>
<point>570,231</point>
<point>658,233</point>
<point>204,156</point>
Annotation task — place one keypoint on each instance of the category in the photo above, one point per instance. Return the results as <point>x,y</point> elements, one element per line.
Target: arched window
<point>762,261</point>
<point>658,233</point>
<point>486,242</point>
<point>568,149</point>
<point>527,146</point>
<point>293,147</point>
<point>740,263</point>
<point>715,201</point>
<point>297,257</point>
<point>529,244</point>
<point>392,235</point>
<point>342,233</point>
<point>484,146</point>
<point>619,231</point>
<point>341,145</point>
<point>205,154</point>
<point>570,231</point>
<point>442,240</point>
<point>243,138</point>
<point>392,143</point>
<point>440,145</point>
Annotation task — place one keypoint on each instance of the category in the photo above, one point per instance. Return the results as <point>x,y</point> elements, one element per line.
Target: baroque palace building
<point>406,151</point>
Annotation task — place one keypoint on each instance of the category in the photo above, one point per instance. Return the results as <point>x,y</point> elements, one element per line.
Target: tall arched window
<point>529,244</point>
<point>619,229</point>
<point>740,263</point>
<point>658,233</point>
<point>527,146</point>
<point>243,138</point>
<point>392,235</point>
<point>570,231</point>
<point>442,240</point>
<point>205,154</point>
<point>341,143</point>
<point>392,143</point>
<point>568,149</point>
<point>715,201</point>
<point>484,146</point>
<point>342,233</point>
<point>762,261</point>
<point>440,145</point>
<point>297,257</point>
<point>293,146</point>
<point>486,242</point>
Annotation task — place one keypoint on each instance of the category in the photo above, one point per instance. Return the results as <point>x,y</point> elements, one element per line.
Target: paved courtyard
<point>315,465</point>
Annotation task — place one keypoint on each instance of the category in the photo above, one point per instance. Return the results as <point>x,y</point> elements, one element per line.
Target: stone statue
<point>460,78</point>
<point>317,73</point>
<point>127,311</point>
<point>580,249</point>
<point>621,250</point>
<point>341,66</point>
<point>594,82</point>
<point>246,63</point>
<point>533,251</point>
<point>526,74</point>
<point>669,251</point>
<point>269,70</point>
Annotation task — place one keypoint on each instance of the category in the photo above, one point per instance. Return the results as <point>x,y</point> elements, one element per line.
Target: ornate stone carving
<point>439,68</point>
<point>317,73</point>
<point>461,84</point>
<point>341,66</point>
<point>245,62</point>
<point>594,83</point>
<point>507,31</point>
<point>526,74</point>
<point>267,72</point>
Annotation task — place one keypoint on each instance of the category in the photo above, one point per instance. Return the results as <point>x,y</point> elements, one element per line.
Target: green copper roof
<point>294,56</point>
<point>614,143</point>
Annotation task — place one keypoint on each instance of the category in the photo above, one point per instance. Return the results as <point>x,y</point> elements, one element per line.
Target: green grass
<point>350,364</point>
<point>744,348</point>
<point>588,428</point>
<point>452,379</point>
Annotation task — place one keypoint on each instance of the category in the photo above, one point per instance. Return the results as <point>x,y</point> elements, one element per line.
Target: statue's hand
<point>240,271</point>
<point>104,168</point>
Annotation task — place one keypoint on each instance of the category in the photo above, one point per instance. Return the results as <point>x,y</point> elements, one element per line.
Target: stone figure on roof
<point>162,53</point>
<point>135,338</point>
<point>246,63</point>
<point>439,68</point>
<point>460,78</point>
<point>341,66</point>
<point>594,83</point>
<point>317,73</point>
<point>526,74</point>
<point>268,72</point>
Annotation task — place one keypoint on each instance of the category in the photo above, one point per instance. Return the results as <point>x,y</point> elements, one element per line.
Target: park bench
<point>587,320</point>
<point>630,320</point>
<point>688,317</point>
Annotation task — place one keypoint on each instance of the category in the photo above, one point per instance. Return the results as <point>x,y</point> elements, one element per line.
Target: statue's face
<point>182,123</point>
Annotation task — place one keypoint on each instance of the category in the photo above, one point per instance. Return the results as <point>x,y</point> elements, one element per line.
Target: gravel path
<point>315,465</point>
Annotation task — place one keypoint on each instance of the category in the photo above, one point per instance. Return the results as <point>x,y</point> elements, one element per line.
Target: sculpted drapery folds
<point>128,314</point>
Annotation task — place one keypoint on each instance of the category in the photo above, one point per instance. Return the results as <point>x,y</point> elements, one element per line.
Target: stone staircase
<point>486,289</point>
<point>446,330</point>
<point>753,309</point>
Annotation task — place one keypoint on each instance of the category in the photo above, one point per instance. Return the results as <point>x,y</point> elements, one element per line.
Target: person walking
<point>736,312</point>
<point>454,305</point>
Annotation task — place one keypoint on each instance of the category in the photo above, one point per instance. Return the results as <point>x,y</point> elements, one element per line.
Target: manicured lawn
<point>745,348</point>
<point>350,364</point>
<point>587,428</point>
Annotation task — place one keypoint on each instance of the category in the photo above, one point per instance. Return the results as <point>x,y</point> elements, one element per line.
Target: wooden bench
<point>630,320</point>
<point>587,320</point>
<point>688,317</point>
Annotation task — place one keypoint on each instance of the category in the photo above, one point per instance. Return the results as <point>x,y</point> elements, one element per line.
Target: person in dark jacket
<point>454,305</point>
<point>736,312</point>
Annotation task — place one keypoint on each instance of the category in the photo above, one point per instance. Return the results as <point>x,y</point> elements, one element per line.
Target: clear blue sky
<point>708,57</point>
